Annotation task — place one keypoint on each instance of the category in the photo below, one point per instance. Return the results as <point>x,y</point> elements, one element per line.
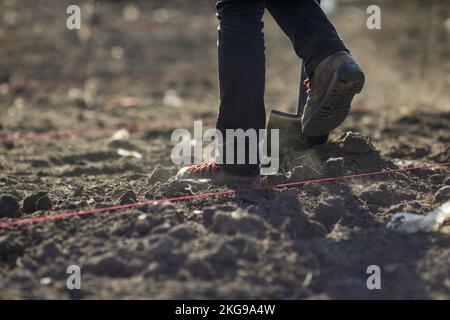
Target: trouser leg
<point>313,36</point>
<point>241,73</point>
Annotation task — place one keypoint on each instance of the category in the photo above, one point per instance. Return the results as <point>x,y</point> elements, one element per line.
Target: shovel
<point>289,125</point>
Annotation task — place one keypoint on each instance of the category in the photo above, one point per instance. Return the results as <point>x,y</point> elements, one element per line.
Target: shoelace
<point>307,84</point>
<point>204,167</point>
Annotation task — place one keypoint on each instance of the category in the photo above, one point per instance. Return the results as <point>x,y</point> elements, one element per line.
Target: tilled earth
<point>313,241</point>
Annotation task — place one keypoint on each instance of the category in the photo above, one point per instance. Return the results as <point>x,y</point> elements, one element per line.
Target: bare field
<point>150,66</point>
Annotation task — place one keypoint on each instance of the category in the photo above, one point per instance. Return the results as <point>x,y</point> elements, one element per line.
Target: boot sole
<point>345,83</point>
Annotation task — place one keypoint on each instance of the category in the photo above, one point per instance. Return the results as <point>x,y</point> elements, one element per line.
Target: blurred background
<point>132,58</point>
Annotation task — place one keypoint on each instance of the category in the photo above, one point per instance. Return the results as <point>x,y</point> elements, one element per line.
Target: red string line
<point>59,216</point>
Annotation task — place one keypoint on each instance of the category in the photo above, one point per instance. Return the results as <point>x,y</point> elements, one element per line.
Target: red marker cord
<point>59,216</point>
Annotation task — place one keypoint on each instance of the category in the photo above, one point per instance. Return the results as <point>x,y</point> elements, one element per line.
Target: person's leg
<point>241,85</point>
<point>312,34</point>
<point>241,72</point>
<point>334,76</point>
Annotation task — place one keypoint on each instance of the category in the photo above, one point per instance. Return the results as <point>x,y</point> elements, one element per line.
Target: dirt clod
<point>37,201</point>
<point>302,173</point>
<point>9,206</point>
<point>329,211</point>
<point>442,195</point>
<point>385,198</point>
<point>109,265</point>
<point>183,232</point>
<point>353,142</point>
<point>239,222</point>
<point>128,197</point>
<point>224,254</point>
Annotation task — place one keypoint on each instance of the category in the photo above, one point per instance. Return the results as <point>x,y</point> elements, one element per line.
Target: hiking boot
<point>215,173</point>
<point>331,88</point>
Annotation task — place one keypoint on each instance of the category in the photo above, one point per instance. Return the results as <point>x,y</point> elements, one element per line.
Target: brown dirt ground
<point>310,242</point>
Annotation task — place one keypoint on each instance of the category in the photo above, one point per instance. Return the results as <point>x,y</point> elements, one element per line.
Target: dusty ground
<point>158,66</point>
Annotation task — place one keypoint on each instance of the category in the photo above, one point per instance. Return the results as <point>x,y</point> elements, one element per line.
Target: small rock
<point>161,174</point>
<point>127,153</point>
<point>442,195</point>
<point>128,197</point>
<point>46,281</point>
<point>9,206</point>
<point>329,211</point>
<point>121,134</point>
<point>353,142</point>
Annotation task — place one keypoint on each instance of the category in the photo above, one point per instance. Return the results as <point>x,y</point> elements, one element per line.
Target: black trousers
<point>242,60</point>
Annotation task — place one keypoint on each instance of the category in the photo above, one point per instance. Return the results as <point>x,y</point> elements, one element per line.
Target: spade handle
<point>302,92</point>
